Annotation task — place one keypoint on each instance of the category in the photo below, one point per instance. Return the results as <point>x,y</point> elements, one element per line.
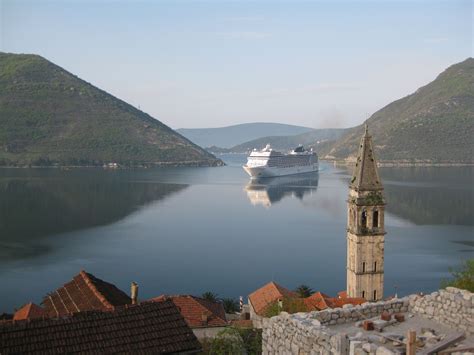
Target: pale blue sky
<point>216,63</point>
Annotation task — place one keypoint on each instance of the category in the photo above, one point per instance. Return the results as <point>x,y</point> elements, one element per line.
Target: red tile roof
<point>84,292</point>
<point>268,294</point>
<point>272,292</point>
<point>155,327</point>
<point>29,311</point>
<point>320,301</point>
<point>342,294</point>
<point>317,301</point>
<point>193,308</point>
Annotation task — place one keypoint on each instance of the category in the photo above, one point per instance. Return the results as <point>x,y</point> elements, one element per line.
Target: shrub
<point>227,342</point>
<point>463,277</point>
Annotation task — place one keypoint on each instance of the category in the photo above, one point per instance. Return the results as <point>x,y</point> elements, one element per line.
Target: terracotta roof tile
<point>317,301</point>
<point>272,292</point>
<point>155,327</point>
<point>268,294</point>
<point>342,294</point>
<point>84,292</point>
<point>320,301</point>
<point>192,309</point>
<point>29,311</point>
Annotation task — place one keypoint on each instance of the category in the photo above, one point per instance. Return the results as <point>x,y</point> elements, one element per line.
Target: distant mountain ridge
<point>230,136</point>
<point>433,125</point>
<point>285,143</point>
<point>48,116</point>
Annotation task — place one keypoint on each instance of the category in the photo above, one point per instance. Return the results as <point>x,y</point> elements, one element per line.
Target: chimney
<point>134,292</point>
<point>204,318</point>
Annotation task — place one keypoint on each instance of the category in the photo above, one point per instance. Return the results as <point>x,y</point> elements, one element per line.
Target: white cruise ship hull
<point>266,171</point>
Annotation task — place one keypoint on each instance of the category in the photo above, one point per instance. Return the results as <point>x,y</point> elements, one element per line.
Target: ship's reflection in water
<point>269,191</point>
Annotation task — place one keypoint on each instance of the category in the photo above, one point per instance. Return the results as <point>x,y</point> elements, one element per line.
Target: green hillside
<point>48,116</point>
<point>435,124</point>
<point>288,142</point>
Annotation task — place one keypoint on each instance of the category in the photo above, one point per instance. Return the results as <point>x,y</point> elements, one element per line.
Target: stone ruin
<point>443,319</point>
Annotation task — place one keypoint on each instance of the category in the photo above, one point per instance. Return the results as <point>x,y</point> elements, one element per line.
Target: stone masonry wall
<point>311,333</point>
<point>452,307</point>
<point>308,333</point>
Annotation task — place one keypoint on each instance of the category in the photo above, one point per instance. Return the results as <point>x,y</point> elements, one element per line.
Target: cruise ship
<point>269,163</point>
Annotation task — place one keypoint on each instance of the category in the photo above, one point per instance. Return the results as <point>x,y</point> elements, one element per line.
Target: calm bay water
<point>190,230</point>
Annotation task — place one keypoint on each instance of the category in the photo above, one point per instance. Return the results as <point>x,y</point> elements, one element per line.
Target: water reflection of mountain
<point>431,205</point>
<point>269,191</point>
<point>430,195</point>
<point>32,208</point>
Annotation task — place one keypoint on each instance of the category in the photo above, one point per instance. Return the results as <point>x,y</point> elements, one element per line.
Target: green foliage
<point>227,342</point>
<point>304,291</point>
<point>210,296</point>
<point>252,339</point>
<point>235,341</point>
<point>374,198</point>
<point>50,117</point>
<point>230,305</point>
<point>463,277</point>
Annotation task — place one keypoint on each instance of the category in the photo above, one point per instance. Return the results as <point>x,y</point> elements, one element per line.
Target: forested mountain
<point>435,124</point>
<point>48,116</point>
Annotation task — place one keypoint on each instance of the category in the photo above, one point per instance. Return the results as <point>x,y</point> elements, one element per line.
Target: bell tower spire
<point>365,226</point>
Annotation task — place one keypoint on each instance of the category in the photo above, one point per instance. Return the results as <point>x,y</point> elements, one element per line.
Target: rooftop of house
<point>29,311</point>
<point>268,294</point>
<point>197,311</point>
<point>319,301</point>
<point>155,326</point>
<point>84,292</point>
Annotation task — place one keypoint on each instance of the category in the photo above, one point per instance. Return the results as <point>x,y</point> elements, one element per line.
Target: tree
<point>210,296</point>
<point>304,291</point>
<point>462,277</point>
<point>230,305</point>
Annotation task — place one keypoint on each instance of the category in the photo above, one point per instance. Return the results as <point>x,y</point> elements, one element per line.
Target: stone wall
<point>207,333</point>
<point>308,333</point>
<point>311,333</point>
<point>298,334</point>
<point>452,307</point>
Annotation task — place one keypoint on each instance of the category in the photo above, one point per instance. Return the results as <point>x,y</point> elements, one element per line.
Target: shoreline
<point>120,167</point>
<point>402,164</point>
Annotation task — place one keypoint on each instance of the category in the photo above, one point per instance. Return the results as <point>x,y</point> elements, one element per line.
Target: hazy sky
<point>216,63</point>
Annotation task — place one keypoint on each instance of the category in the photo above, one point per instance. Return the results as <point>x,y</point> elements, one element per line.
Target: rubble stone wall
<point>311,333</point>
<point>308,333</point>
<point>452,307</point>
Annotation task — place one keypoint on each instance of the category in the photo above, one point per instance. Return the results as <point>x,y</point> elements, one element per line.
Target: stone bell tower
<point>365,226</point>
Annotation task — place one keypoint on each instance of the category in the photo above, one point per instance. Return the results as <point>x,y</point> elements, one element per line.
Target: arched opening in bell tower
<point>364,219</point>
<point>375,219</point>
